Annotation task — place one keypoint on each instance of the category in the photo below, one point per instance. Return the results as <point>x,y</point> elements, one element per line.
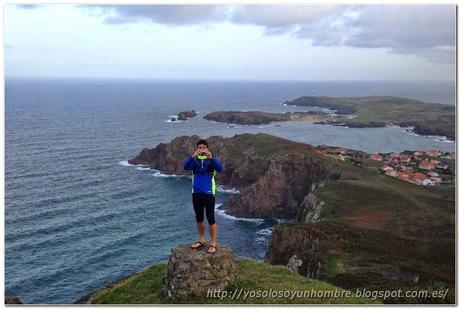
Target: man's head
<point>202,146</point>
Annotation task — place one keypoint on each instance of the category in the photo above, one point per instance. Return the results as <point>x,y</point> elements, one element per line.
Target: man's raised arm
<point>188,164</point>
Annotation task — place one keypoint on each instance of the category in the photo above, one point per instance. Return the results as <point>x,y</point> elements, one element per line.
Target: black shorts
<point>202,202</point>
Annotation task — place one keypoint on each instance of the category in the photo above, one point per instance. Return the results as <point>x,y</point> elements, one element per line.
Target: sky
<point>231,42</point>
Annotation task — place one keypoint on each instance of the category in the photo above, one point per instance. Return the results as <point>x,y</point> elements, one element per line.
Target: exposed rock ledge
<point>190,273</point>
<point>273,175</point>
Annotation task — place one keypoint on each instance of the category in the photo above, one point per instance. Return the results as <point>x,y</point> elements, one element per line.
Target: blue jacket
<point>203,173</point>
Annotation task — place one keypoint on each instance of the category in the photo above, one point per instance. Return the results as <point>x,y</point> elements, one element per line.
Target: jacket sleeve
<point>188,164</point>
<point>217,164</point>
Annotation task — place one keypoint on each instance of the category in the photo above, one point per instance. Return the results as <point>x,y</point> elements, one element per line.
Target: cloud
<point>426,31</point>
<point>27,6</point>
<point>173,15</point>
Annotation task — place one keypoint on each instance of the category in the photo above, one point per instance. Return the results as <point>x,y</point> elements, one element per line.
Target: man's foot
<point>197,244</point>
<point>212,249</point>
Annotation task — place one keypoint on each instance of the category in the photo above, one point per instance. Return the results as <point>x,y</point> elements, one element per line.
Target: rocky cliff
<point>273,175</point>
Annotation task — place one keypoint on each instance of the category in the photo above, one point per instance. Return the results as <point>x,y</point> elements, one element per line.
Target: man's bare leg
<point>213,233</point>
<point>201,228</point>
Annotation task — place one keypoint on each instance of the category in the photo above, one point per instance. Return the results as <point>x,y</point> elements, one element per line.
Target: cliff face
<point>273,175</point>
<point>280,188</point>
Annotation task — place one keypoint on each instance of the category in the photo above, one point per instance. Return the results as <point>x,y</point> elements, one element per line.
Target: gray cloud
<point>27,6</point>
<point>426,31</point>
<point>173,15</point>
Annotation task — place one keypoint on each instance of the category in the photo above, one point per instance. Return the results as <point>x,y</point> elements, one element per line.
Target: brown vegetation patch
<point>375,219</point>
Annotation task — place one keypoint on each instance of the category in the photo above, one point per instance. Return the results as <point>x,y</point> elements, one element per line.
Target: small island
<point>258,117</point>
<point>185,115</point>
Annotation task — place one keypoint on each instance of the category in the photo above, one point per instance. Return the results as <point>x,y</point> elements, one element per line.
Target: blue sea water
<point>79,217</point>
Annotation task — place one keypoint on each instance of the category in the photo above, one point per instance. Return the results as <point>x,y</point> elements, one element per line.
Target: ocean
<point>78,216</point>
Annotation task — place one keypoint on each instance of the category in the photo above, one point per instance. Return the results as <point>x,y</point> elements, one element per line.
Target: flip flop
<point>197,242</point>
<point>211,246</point>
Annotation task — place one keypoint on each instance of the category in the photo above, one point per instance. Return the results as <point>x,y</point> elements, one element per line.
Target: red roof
<point>376,157</point>
<point>419,176</point>
<point>427,165</point>
<point>404,157</point>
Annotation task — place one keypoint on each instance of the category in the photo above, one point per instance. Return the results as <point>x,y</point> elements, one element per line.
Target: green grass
<point>145,287</point>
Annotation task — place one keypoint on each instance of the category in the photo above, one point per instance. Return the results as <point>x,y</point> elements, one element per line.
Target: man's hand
<point>196,153</point>
<point>208,154</point>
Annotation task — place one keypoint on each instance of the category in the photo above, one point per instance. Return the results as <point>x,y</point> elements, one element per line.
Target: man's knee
<point>211,220</point>
<point>199,220</point>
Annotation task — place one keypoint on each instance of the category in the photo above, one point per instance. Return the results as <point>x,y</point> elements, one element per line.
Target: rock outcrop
<point>300,250</point>
<point>310,209</point>
<point>12,301</point>
<point>186,115</point>
<point>273,175</point>
<point>191,273</point>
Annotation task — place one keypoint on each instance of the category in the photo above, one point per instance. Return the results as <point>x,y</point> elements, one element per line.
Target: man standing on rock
<point>203,166</point>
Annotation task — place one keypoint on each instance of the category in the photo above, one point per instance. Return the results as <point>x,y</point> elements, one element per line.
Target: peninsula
<point>377,111</point>
<point>346,222</point>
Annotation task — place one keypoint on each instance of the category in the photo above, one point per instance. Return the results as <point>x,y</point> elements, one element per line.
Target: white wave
<point>125,163</point>
<point>410,132</point>
<point>140,168</point>
<point>157,173</point>
<point>436,138</point>
<point>224,214</point>
<point>261,240</point>
<point>230,191</point>
<point>441,139</point>
<point>265,232</point>
<point>283,104</point>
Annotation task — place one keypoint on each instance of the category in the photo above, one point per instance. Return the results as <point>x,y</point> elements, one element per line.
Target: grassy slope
<point>431,116</point>
<point>145,287</point>
<point>387,222</point>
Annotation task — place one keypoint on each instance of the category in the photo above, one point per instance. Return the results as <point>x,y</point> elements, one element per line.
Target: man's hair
<point>202,142</point>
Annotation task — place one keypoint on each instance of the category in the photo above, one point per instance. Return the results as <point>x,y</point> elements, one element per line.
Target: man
<point>204,165</point>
